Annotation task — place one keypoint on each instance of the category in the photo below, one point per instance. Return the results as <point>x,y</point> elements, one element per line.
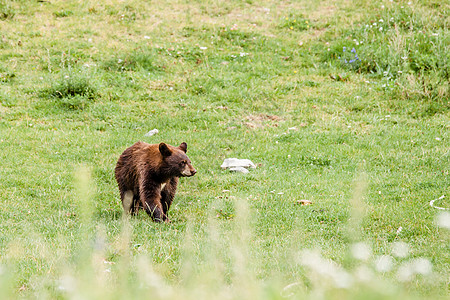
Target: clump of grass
<point>294,22</point>
<point>399,47</point>
<point>6,11</point>
<point>71,91</point>
<point>63,13</point>
<point>7,76</point>
<point>237,36</point>
<point>7,99</point>
<point>187,53</point>
<point>315,161</point>
<point>350,59</point>
<point>126,14</point>
<point>57,60</point>
<point>140,59</point>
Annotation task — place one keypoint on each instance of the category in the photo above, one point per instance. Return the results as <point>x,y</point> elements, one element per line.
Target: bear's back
<point>141,155</point>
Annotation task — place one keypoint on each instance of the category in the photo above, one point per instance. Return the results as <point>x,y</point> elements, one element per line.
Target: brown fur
<point>147,175</point>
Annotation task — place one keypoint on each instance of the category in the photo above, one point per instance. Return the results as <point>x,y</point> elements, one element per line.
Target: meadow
<point>341,103</point>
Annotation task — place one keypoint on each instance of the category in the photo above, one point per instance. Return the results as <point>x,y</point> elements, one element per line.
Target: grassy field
<point>342,103</point>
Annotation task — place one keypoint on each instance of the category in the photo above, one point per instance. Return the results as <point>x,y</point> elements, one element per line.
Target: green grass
<point>366,141</point>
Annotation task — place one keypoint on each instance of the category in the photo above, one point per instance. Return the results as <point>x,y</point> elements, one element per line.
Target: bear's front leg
<point>167,195</point>
<point>151,201</point>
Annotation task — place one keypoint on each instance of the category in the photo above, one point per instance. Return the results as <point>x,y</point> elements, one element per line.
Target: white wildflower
<point>67,283</point>
<point>361,251</point>
<point>443,220</point>
<point>405,272</point>
<point>384,263</point>
<point>422,266</point>
<point>326,268</point>
<point>363,274</point>
<point>400,249</point>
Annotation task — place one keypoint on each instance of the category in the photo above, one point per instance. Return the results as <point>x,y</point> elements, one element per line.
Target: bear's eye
<point>183,163</point>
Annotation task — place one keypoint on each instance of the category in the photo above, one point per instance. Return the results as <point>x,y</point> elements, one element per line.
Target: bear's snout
<point>189,171</point>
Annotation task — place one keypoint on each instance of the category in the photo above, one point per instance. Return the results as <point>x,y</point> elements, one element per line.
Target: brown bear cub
<point>147,176</point>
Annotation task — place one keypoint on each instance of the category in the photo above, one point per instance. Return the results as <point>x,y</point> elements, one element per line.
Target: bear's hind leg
<point>128,201</point>
<point>137,205</point>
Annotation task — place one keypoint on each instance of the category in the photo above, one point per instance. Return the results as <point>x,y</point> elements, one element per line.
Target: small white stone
<point>152,132</point>
<point>239,170</point>
<point>235,162</point>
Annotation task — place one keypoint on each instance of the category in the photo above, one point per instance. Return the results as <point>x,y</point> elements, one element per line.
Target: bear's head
<point>176,160</point>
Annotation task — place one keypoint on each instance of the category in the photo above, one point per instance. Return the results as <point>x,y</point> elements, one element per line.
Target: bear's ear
<point>164,149</point>
<point>183,146</point>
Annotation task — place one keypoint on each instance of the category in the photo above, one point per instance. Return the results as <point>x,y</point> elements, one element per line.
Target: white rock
<point>152,132</point>
<point>229,163</point>
<point>239,170</point>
